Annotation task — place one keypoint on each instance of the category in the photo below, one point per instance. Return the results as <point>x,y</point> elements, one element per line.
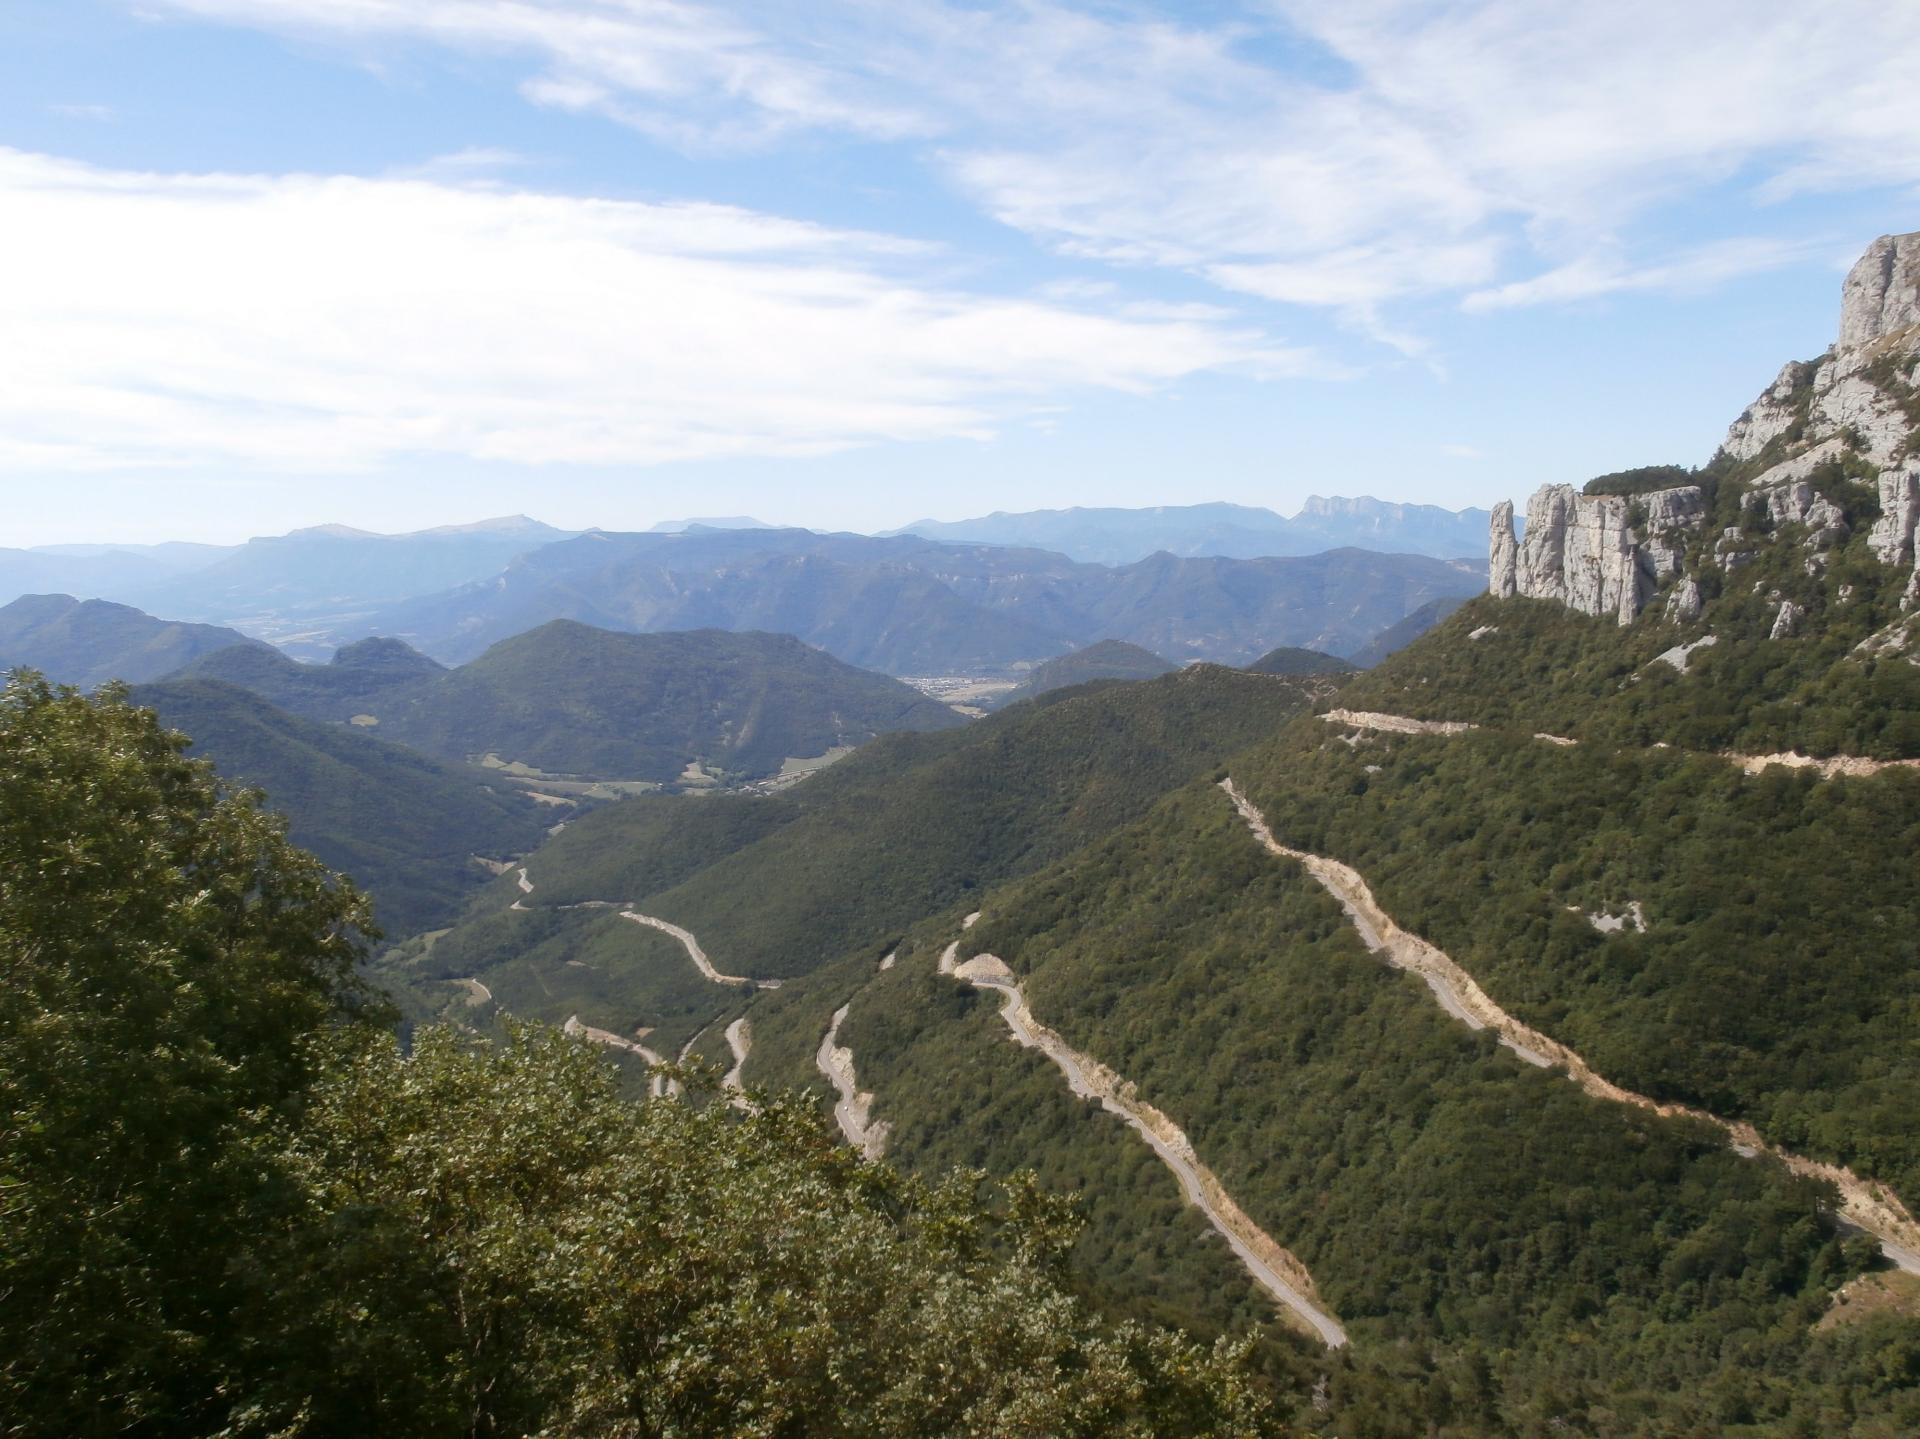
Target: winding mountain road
<point>853,1109</point>
<point>1854,766</point>
<point>1863,1203</point>
<point>1271,1266</point>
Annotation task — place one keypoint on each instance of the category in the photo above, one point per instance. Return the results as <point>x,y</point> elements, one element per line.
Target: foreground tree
<point>230,1205</point>
<point>163,953</point>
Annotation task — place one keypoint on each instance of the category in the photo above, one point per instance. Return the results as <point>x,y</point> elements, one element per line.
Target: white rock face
<point>1769,416</point>
<point>1848,400</point>
<point>1685,602</point>
<point>1891,538</point>
<point>1786,620</point>
<point>1669,514</point>
<point>1502,552</point>
<point>1588,553</point>
<point>1580,551</point>
<point>1882,291</point>
<point>1786,497</point>
<point>1584,551</point>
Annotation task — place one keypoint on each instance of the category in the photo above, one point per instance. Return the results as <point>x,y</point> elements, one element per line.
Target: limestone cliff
<point>1599,554</point>
<point>1848,420</point>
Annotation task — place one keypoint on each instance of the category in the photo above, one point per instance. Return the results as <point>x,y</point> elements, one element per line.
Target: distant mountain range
<point>312,584</point>
<point>1121,536</point>
<point>909,606</point>
<point>973,596</point>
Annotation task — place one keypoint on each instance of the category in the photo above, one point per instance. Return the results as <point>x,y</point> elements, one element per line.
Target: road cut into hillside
<point>740,1041</point>
<point>853,1110</point>
<point>695,953</point>
<point>658,1086</point>
<point>1395,724</point>
<point>1272,1267</point>
<point>1863,1203</point>
<point>1852,766</point>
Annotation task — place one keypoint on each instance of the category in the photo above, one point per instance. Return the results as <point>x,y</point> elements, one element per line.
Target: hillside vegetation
<point>404,826</point>
<point>89,642</point>
<point>568,699</point>
<point>232,1205</point>
<point>1107,660</point>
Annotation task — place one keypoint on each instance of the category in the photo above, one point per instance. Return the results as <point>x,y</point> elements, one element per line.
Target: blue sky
<point>266,263</point>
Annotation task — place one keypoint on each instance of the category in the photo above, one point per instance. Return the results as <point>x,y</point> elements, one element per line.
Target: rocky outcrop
<point>1773,414</point>
<point>1894,539</point>
<point>1588,552</point>
<point>1846,395</point>
<point>1881,294</point>
<point>1503,553</point>
<point>1822,424</point>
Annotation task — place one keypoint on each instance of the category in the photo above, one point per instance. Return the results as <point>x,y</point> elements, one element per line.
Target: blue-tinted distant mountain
<point>1369,524</point>
<point>720,522</point>
<point>904,605</point>
<point>88,642</point>
<point>357,680</point>
<point>98,571</point>
<point>1121,536</point>
<point>300,589</point>
<point>1396,637</point>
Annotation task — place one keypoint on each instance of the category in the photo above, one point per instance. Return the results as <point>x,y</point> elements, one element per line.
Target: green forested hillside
<point>569,699</point>
<point>835,869</point>
<point>1289,660</point>
<point>1776,978</point>
<point>358,679</point>
<point>406,827</point>
<point>1107,660</point>
<point>910,824</point>
<point>89,642</point>
<point>1509,1254</point>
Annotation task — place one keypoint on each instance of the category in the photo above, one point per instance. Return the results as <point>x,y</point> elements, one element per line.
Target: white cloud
<point>329,322</point>
<point>1595,275</point>
<point>99,113</point>
<point>1393,149</point>
<point>1463,452</point>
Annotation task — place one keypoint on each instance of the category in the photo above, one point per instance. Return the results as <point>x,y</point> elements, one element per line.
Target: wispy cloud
<point>100,114</point>
<point>1396,149</point>
<point>1592,276</point>
<point>154,319</point>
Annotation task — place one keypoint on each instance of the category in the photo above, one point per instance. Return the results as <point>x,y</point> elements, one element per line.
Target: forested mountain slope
<point>404,826</point>
<point>906,827</point>
<point>1108,660</point>
<point>569,699</point>
<point>88,642</point>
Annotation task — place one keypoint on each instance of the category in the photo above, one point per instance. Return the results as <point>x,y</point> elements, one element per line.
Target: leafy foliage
<point>164,951</point>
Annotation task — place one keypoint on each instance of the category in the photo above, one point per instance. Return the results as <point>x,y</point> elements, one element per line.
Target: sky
<point>852,263</point>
